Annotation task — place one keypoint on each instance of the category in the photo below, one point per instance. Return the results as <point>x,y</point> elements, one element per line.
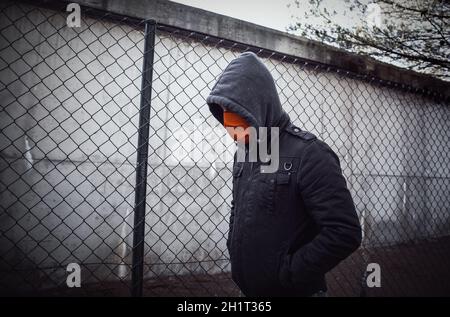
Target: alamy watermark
<point>191,144</point>
<point>374,277</point>
<point>258,145</point>
<point>74,18</point>
<point>74,277</point>
<point>373,16</point>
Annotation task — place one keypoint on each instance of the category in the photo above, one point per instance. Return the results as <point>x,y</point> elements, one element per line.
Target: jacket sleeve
<point>328,201</point>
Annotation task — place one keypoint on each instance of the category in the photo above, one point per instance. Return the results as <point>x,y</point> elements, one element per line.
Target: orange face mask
<point>233,120</point>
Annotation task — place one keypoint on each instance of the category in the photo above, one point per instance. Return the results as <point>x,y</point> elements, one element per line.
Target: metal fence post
<point>141,164</point>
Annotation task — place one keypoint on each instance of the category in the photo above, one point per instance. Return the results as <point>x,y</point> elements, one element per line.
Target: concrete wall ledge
<point>202,21</point>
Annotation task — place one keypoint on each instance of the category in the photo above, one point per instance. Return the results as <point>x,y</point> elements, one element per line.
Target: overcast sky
<point>274,14</point>
<point>269,13</point>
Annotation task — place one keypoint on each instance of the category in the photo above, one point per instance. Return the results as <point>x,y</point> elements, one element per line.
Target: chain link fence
<point>110,159</point>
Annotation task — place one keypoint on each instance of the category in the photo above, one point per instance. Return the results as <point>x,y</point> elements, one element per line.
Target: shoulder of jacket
<point>304,135</point>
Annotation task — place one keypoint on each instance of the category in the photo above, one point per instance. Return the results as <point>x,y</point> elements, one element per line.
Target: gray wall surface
<point>69,120</point>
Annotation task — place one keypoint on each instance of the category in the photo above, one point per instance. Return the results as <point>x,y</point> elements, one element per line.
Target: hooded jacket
<point>288,228</point>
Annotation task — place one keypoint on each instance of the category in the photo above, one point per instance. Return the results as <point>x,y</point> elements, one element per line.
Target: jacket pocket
<point>272,193</point>
<point>276,196</point>
<point>284,180</point>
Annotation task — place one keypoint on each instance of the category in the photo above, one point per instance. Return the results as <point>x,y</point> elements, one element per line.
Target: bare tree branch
<point>415,35</point>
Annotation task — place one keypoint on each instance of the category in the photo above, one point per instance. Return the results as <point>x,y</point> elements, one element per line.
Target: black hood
<point>247,88</point>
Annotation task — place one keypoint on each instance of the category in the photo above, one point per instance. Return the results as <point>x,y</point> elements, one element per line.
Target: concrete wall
<point>69,117</point>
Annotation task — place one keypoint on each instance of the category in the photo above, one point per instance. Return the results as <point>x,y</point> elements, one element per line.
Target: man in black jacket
<point>290,227</point>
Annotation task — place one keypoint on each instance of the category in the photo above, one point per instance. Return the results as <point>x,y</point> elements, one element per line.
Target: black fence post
<point>142,158</point>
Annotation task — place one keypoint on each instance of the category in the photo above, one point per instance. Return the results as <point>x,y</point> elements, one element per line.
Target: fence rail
<point>110,159</point>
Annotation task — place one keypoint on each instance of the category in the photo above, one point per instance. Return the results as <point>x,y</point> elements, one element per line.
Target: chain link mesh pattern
<point>70,100</point>
<point>70,106</point>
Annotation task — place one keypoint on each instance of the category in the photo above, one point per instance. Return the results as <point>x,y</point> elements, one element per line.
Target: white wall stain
<point>28,156</point>
<point>404,197</point>
<point>123,267</point>
<point>213,170</point>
